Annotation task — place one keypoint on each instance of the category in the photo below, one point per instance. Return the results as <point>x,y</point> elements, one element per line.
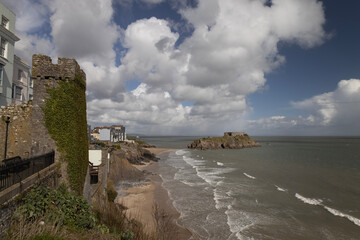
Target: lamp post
<point>6,136</point>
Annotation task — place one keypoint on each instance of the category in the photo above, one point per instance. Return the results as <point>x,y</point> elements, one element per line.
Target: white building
<point>114,133</point>
<point>22,86</point>
<point>15,79</point>
<point>7,43</point>
<point>117,133</point>
<point>104,134</point>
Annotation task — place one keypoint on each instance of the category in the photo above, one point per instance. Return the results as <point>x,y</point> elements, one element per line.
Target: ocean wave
<point>211,178</point>
<point>200,162</point>
<point>209,175</point>
<point>249,176</point>
<point>230,193</point>
<point>311,201</point>
<point>280,189</point>
<point>237,221</point>
<point>333,211</point>
<point>221,200</point>
<point>340,214</point>
<point>189,183</point>
<point>181,152</point>
<point>219,163</point>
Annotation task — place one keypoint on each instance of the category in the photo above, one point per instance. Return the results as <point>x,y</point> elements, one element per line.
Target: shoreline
<point>150,203</point>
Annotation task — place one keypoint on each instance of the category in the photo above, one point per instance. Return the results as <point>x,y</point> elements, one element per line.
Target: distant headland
<point>230,140</point>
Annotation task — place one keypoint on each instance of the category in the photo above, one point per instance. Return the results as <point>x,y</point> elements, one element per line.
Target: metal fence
<point>14,170</point>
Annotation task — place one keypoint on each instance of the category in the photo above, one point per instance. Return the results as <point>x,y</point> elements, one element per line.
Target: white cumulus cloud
<point>232,48</point>
<point>332,113</point>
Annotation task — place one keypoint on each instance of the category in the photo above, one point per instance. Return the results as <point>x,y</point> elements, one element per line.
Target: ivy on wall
<point>65,119</point>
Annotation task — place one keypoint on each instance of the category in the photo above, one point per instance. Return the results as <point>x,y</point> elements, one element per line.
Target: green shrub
<point>127,235</point>
<point>58,206</point>
<point>111,192</point>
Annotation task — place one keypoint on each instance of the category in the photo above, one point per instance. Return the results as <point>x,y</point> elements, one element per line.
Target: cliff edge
<point>230,140</point>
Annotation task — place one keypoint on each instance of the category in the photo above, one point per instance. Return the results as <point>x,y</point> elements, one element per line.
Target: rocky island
<point>230,140</point>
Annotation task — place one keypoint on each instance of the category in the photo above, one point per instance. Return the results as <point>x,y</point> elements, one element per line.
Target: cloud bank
<point>332,113</point>
<point>233,46</point>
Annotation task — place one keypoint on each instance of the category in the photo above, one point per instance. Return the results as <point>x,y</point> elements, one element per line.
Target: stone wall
<point>27,134</point>
<point>19,130</point>
<point>45,75</point>
<point>233,134</point>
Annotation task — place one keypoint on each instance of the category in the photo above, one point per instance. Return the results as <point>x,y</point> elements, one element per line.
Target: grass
<point>110,221</point>
<point>138,141</point>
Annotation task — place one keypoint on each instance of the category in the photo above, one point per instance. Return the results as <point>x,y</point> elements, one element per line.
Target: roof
<point>106,127</point>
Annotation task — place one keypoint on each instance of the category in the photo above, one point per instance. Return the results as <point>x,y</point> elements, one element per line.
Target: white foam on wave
<point>211,178</point>
<point>333,211</point>
<point>189,183</point>
<point>181,152</point>
<point>311,201</point>
<point>193,162</point>
<point>340,214</point>
<point>209,175</point>
<point>249,176</point>
<point>220,199</point>
<point>237,221</point>
<point>199,162</point>
<point>219,163</point>
<point>280,189</point>
<point>230,193</point>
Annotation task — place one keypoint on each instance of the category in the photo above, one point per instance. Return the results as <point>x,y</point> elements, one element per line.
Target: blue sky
<point>171,67</point>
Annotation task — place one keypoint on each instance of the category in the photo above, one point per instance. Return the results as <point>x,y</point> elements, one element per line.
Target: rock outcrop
<point>225,142</point>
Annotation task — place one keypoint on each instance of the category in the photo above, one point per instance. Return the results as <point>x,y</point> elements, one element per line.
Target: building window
<point>5,22</point>
<point>3,47</point>
<point>31,83</point>
<point>30,97</point>
<point>19,74</point>
<point>16,92</point>
<point>1,74</point>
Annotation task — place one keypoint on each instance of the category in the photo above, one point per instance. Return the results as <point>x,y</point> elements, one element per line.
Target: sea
<point>289,188</point>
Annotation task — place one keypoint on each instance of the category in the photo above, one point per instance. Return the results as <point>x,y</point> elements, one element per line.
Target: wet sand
<point>141,202</point>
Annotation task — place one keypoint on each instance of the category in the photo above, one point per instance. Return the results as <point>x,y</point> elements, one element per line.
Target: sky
<point>203,67</point>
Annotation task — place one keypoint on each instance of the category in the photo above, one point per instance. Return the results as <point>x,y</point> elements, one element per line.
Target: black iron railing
<point>14,170</point>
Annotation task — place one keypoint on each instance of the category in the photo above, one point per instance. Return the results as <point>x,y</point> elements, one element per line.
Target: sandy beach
<point>142,200</point>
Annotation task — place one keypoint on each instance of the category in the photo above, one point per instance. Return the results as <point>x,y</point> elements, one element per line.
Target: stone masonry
<point>19,137</point>
<point>44,75</point>
<point>27,134</point>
